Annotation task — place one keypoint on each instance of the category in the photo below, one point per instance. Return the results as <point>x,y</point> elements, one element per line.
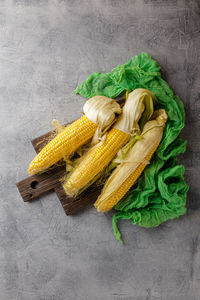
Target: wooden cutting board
<point>34,186</point>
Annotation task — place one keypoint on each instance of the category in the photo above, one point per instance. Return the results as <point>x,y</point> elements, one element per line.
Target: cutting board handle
<point>36,185</point>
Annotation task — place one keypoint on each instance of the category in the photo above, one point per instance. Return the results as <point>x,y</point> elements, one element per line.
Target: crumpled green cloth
<point>160,193</point>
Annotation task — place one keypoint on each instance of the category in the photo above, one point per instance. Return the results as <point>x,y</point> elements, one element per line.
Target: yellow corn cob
<point>103,206</point>
<point>65,143</point>
<point>129,170</point>
<point>95,161</point>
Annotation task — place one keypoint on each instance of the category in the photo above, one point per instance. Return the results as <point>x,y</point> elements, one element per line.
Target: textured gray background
<point>47,48</point>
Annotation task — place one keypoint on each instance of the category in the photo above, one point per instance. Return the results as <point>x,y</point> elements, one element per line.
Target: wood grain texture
<point>36,185</point>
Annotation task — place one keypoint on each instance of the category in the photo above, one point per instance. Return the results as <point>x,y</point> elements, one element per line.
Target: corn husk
<point>102,111</point>
<point>151,136</point>
<point>133,109</point>
<point>141,104</point>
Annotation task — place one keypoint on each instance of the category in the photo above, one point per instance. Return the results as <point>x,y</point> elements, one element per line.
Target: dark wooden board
<point>34,186</point>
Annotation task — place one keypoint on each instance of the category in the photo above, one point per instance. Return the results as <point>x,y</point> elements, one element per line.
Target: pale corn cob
<point>95,161</point>
<point>99,116</point>
<point>100,156</point>
<point>103,206</point>
<point>66,142</point>
<point>126,174</point>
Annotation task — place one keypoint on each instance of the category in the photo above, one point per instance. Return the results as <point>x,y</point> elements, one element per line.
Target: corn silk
<point>160,193</point>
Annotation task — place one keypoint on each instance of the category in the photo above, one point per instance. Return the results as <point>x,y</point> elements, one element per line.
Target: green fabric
<point>160,194</point>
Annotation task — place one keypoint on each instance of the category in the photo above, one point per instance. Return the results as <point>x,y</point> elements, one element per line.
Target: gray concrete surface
<point>47,48</point>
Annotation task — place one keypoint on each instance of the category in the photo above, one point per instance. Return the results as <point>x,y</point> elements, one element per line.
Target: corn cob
<point>100,111</point>
<point>126,174</point>
<point>96,160</point>
<point>100,156</point>
<point>103,206</point>
<point>72,137</point>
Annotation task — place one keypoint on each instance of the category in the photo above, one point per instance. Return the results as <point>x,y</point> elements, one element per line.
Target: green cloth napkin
<point>160,193</point>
